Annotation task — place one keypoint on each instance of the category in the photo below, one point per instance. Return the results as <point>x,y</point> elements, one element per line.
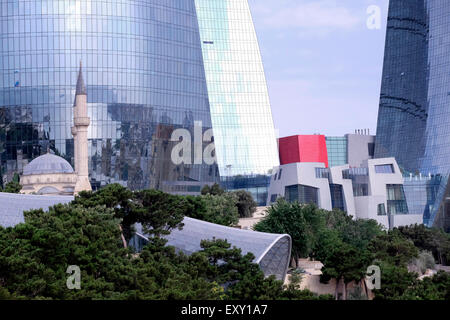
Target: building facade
<point>244,133</point>
<point>374,190</point>
<point>414,118</point>
<point>144,67</point>
<point>303,148</point>
<point>351,149</point>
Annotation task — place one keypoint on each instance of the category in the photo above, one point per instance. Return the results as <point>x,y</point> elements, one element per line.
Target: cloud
<point>321,16</point>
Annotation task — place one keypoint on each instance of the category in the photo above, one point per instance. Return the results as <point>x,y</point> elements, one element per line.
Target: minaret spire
<point>81,123</point>
<point>81,86</point>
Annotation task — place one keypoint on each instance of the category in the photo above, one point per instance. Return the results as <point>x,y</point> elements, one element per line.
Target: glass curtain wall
<point>240,108</point>
<point>143,66</point>
<point>414,118</point>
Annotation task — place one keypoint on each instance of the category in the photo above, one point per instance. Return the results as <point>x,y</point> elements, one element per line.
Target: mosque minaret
<point>50,174</point>
<point>81,123</point>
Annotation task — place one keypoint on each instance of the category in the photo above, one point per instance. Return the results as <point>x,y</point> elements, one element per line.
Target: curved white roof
<point>272,251</point>
<point>13,205</point>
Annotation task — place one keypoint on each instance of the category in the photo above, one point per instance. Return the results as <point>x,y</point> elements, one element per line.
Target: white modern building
<point>372,191</point>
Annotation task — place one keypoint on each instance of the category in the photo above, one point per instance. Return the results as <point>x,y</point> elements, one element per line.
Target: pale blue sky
<point>323,64</point>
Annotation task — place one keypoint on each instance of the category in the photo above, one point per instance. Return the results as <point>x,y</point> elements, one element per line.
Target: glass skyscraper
<point>145,74</point>
<point>414,114</point>
<point>240,108</point>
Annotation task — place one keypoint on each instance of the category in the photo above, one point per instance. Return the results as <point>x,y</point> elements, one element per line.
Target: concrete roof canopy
<point>272,251</point>
<point>13,205</point>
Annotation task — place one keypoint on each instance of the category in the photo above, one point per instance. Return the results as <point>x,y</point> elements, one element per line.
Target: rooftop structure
<point>272,251</point>
<point>12,206</point>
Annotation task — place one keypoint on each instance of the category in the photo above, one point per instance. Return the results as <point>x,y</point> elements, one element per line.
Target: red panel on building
<point>303,149</point>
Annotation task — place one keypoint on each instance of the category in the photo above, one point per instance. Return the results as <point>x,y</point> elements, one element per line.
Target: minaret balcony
<point>81,121</point>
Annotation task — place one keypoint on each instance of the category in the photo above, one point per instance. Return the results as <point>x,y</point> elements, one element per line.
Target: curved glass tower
<point>414,114</point>
<point>403,112</point>
<point>145,78</point>
<point>240,108</point>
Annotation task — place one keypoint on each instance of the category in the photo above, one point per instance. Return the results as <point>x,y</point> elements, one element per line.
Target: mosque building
<point>50,174</point>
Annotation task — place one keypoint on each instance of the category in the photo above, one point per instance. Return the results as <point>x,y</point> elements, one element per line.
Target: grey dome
<point>47,164</point>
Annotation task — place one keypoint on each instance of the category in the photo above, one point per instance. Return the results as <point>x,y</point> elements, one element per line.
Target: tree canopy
<point>35,255</point>
<point>347,247</point>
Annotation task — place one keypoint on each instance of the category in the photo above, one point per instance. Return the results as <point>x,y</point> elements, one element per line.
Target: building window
<point>385,168</point>
<point>354,172</point>
<point>360,189</point>
<point>371,147</point>
<point>337,197</point>
<point>279,174</point>
<point>337,151</point>
<point>302,194</point>
<point>273,197</point>
<point>322,173</point>
<point>381,209</point>
<point>396,200</point>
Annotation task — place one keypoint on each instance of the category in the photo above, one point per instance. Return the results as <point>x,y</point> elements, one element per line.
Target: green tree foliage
<point>13,186</point>
<point>429,239</point>
<point>220,209</point>
<point>245,204</point>
<point>157,211</point>
<point>34,257</point>
<point>395,280</point>
<point>430,288</point>
<point>206,190</point>
<point>423,262</point>
<point>393,248</point>
<point>358,233</point>
<point>394,252</point>
<point>344,262</point>
<point>332,237</point>
<point>357,294</point>
<point>214,190</point>
<point>301,222</point>
<point>293,291</point>
<point>160,212</point>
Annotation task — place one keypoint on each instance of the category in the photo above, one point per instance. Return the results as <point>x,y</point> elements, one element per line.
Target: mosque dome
<point>47,164</point>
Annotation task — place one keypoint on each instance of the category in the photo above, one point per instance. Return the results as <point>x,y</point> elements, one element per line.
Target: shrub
<point>245,204</point>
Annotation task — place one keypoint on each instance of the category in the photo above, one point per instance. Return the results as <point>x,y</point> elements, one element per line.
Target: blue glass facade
<point>241,115</point>
<point>144,64</point>
<point>414,117</point>
<point>257,185</point>
<point>337,151</point>
<point>421,193</point>
<point>403,111</point>
<point>145,77</point>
